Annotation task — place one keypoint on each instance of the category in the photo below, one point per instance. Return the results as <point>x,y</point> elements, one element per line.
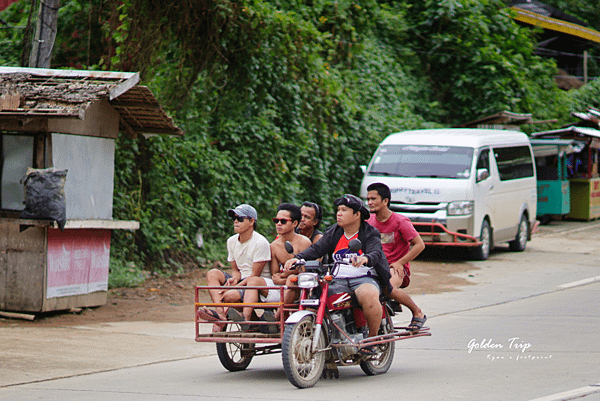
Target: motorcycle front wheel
<point>302,367</point>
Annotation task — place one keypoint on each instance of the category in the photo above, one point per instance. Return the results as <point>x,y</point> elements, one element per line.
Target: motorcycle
<point>322,332</point>
<point>329,330</point>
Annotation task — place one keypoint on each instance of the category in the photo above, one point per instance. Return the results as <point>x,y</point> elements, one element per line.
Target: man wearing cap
<point>248,252</point>
<point>368,271</point>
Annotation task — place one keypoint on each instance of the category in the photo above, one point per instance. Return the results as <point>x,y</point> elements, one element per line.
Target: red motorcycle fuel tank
<point>343,300</point>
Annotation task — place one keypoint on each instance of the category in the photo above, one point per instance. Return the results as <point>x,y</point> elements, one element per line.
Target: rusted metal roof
<point>571,132</point>
<point>34,93</point>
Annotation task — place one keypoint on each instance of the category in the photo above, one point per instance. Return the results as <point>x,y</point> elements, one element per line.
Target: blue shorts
<point>351,284</point>
<point>241,292</point>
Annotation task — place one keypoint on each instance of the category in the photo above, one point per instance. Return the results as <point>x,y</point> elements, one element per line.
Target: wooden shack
<point>584,179</point>
<point>69,120</point>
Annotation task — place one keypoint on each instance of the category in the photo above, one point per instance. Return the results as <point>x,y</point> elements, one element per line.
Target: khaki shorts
<point>351,284</point>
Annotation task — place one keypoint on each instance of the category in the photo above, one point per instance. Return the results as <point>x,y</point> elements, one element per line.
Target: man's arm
<point>236,275</point>
<point>276,274</point>
<point>417,246</point>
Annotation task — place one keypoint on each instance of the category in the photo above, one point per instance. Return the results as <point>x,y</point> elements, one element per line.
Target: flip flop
<point>210,315</point>
<point>268,316</point>
<point>368,350</point>
<point>236,316</point>
<point>417,323</point>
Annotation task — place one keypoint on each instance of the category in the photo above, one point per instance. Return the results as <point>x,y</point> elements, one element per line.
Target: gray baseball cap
<point>243,210</point>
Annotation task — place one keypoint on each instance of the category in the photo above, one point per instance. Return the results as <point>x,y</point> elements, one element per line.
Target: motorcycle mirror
<point>289,247</point>
<point>354,245</point>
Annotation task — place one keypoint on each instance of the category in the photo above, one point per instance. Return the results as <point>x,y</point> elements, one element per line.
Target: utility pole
<point>45,33</point>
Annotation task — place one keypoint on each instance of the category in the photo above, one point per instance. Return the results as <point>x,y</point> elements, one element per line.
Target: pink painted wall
<point>77,261</point>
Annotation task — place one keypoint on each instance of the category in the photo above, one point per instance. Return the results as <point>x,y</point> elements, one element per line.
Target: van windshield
<point>423,161</point>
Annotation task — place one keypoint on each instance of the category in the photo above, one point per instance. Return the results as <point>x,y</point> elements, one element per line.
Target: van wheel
<point>519,243</point>
<point>483,251</point>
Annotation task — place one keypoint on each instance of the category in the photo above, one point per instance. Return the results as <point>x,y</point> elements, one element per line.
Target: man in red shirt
<point>401,243</point>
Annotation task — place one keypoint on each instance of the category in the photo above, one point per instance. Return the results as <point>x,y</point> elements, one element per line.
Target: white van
<point>466,187</point>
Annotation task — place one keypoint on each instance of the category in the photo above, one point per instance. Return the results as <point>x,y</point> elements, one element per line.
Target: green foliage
<point>584,98</point>
<point>12,29</point>
<point>478,59</point>
<point>284,100</point>
<point>79,42</point>
<point>296,108</point>
<point>124,274</point>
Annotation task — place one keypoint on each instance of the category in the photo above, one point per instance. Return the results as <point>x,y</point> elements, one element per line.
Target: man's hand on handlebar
<point>292,263</point>
<point>358,261</point>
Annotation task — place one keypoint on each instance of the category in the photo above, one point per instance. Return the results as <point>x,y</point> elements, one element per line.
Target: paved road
<point>531,323</point>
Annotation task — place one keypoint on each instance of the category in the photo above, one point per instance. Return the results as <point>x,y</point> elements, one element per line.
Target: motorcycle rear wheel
<point>381,362</point>
<point>234,356</point>
<point>302,367</point>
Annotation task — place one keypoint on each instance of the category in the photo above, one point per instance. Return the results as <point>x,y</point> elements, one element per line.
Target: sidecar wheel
<point>302,367</point>
<point>234,356</point>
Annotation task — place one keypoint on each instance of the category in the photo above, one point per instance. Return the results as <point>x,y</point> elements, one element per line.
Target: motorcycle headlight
<point>308,280</point>
<point>460,208</point>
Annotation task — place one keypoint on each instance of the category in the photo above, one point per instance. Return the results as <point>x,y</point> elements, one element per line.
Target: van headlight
<point>460,208</point>
<point>308,280</point>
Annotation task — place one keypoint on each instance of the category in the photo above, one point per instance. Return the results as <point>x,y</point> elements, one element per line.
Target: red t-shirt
<point>342,253</point>
<point>396,233</point>
<point>342,249</point>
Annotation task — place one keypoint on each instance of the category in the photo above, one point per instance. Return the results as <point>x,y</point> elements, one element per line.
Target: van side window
<point>483,162</point>
<point>484,159</point>
<point>514,162</point>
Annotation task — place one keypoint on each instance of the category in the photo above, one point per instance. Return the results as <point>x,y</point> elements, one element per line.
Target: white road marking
<point>580,282</point>
<point>568,395</point>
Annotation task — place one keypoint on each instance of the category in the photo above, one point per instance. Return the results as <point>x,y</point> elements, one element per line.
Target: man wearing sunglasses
<point>368,272</point>
<point>248,252</point>
<point>287,220</point>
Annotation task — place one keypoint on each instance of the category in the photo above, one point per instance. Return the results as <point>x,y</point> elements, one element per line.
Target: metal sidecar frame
<point>269,343</point>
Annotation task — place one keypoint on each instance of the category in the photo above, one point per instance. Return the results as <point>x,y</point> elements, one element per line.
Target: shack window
<point>16,154</point>
<point>514,162</point>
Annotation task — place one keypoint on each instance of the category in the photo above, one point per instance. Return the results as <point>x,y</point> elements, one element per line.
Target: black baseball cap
<point>355,203</point>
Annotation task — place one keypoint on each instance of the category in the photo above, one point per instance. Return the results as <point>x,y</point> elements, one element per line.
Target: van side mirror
<point>482,174</point>
<point>363,168</point>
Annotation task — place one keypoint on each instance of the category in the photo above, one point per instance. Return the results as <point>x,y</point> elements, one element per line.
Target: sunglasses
<point>239,218</point>
<point>283,221</point>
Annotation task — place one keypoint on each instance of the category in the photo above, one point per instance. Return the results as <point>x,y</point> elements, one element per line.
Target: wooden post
<point>45,33</point>
<point>585,72</point>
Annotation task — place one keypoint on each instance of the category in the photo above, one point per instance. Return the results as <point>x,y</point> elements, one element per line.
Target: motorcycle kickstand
<point>331,371</point>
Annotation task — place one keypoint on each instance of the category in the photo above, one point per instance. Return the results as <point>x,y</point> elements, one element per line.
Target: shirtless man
<point>312,215</point>
<point>288,218</point>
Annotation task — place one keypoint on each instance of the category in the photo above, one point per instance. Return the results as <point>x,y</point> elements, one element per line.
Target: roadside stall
<point>67,120</point>
<point>582,170</point>
<point>554,194</point>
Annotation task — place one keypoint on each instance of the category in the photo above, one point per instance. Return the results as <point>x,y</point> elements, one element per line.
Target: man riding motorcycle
<point>368,272</point>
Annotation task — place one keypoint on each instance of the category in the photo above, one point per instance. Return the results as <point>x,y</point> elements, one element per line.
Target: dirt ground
<point>171,299</point>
